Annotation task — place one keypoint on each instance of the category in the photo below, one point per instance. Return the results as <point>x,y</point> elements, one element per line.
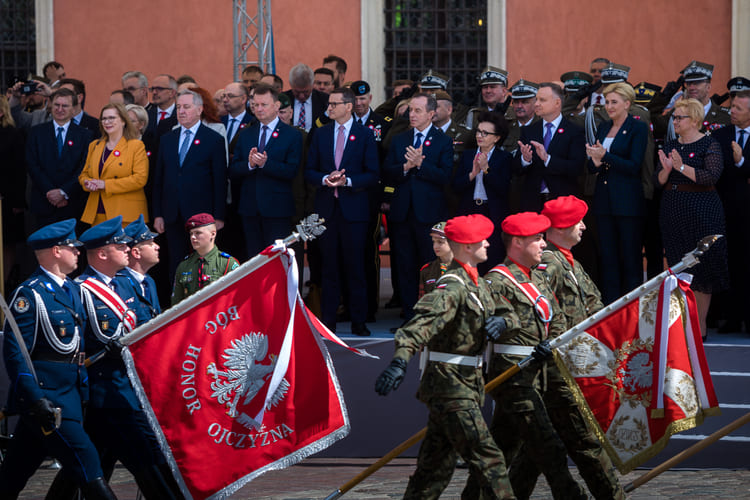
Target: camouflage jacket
<point>524,325</point>
<point>449,319</point>
<point>429,275</point>
<point>576,293</point>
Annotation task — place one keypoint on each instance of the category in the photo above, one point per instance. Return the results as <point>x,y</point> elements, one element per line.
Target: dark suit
<point>417,204</point>
<point>319,106</point>
<point>159,128</point>
<point>198,186</point>
<point>91,124</point>
<point>266,203</point>
<point>567,155</point>
<point>496,184</point>
<point>48,171</point>
<point>62,380</point>
<point>347,213</point>
<point>619,207</point>
<point>734,191</point>
<point>247,119</point>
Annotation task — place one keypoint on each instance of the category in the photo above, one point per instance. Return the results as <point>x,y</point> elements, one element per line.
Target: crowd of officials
<point>235,169</point>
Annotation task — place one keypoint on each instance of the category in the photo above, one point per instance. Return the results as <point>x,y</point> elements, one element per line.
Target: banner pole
<point>688,452</point>
<point>689,260</point>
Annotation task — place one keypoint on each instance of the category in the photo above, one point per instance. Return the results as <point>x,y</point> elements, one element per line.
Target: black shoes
<point>360,329</point>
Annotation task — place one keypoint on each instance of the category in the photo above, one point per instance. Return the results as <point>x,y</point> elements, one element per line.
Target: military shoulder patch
<point>541,267</point>
<point>21,305</point>
<point>388,119</point>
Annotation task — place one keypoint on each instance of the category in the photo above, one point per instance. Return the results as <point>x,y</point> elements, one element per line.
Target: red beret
<point>199,220</point>
<point>525,224</point>
<point>565,211</point>
<point>469,228</point>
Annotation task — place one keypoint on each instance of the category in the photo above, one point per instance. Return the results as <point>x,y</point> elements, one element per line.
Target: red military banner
<point>237,381</point>
<point>641,373</point>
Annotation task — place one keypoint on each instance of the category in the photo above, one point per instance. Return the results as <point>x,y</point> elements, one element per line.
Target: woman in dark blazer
<point>619,203</point>
<point>483,179</point>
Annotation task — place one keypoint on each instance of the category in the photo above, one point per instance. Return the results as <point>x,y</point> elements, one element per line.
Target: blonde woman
<point>116,170</point>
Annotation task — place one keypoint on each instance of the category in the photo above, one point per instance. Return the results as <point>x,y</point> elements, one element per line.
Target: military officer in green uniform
<point>461,136</point>
<point>579,298</point>
<point>432,271</point>
<point>206,264</point>
<point>433,81</point>
<point>523,97</point>
<point>529,314</point>
<point>449,326</point>
<point>493,83</point>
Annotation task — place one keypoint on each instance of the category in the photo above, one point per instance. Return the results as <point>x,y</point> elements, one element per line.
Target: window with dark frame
<point>447,36</point>
<point>17,41</point>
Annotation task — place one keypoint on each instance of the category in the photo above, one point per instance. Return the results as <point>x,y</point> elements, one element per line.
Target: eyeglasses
<point>678,118</point>
<point>231,96</point>
<point>333,104</point>
<point>133,89</point>
<point>484,133</point>
<point>109,118</point>
<point>158,89</point>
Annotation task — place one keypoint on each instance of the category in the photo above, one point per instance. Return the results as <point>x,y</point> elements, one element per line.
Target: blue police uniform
<point>115,420</point>
<point>50,318</point>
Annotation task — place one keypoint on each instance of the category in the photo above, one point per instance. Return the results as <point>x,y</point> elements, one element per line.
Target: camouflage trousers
<point>457,428</point>
<point>581,443</point>
<point>520,421</point>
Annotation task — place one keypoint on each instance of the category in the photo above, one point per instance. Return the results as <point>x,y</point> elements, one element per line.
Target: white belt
<point>444,357</point>
<point>519,350</point>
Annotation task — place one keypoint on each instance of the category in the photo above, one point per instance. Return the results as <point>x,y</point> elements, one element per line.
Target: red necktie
<point>162,115</point>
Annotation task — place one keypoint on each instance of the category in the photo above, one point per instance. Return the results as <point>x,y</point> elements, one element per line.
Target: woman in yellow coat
<point>116,170</point>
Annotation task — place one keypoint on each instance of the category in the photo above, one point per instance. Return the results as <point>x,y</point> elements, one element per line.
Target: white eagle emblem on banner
<point>248,367</point>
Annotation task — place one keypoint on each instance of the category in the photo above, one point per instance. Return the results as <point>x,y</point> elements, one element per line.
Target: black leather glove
<point>391,377</point>
<point>718,99</point>
<point>542,351</point>
<point>407,93</point>
<point>586,91</point>
<point>502,107</point>
<point>671,88</point>
<point>495,327</point>
<point>43,412</point>
<point>113,348</point>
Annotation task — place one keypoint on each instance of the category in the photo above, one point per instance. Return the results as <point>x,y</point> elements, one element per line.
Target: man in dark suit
<point>55,154</point>
<point>343,165</point>
<point>191,176</point>
<point>552,152</point>
<point>234,100</point>
<point>734,190</point>
<point>80,117</point>
<point>419,165</point>
<point>136,83</point>
<point>266,159</point>
<point>161,115</point>
<point>309,104</point>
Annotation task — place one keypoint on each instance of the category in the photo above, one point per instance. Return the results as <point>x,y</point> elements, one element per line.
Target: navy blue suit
<point>115,420</point>
<point>91,124</point>
<point>247,120</point>
<point>567,151</point>
<point>198,186</point>
<point>266,202</point>
<point>734,192</point>
<point>417,204</point>
<point>319,106</point>
<point>619,207</point>
<point>62,380</point>
<point>496,184</point>
<point>48,171</point>
<point>162,127</point>
<point>347,213</point>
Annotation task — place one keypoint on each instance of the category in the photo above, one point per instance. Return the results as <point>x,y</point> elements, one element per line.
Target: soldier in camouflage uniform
<point>206,264</point>
<point>450,325</point>
<point>578,298</point>
<point>529,311</point>
<point>432,271</point>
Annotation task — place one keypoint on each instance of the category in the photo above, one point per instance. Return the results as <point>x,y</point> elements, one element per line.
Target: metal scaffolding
<point>252,33</point>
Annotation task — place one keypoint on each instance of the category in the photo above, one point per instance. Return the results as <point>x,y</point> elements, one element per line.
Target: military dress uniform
<point>50,317</point>
<point>147,306</point>
<point>195,272</point>
<point>579,298</point>
<point>115,419</point>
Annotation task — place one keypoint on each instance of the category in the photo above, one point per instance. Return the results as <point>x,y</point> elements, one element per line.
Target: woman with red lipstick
<point>116,170</point>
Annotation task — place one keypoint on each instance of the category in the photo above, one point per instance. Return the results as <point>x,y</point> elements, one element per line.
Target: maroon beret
<point>199,220</point>
<point>469,228</point>
<point>565,211</point>
<point>525,224</point>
